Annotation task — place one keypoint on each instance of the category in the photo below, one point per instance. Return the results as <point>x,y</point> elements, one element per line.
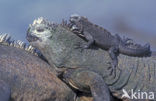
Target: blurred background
<point>132,18</point>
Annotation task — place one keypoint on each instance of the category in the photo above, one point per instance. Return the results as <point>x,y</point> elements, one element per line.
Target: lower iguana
<point>102,38</point>
<point>27,76</point>
<point>87,70</point>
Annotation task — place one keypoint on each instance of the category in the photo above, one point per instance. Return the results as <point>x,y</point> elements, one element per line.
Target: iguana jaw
<point>31,37</point>
<point>35,39</point>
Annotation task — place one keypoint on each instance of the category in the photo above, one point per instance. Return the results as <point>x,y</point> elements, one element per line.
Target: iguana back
<point>29,77</point>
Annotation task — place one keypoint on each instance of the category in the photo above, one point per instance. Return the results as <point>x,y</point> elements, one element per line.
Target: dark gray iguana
<point>87,71</point>
<point>27,76</point>
<point>102,38</point>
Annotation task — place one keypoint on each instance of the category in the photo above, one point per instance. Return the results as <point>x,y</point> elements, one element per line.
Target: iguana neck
<point>60,47</point>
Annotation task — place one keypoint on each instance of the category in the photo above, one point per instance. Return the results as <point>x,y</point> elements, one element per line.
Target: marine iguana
<point>103,39</point>
<point>87,71</point>
<point>27,76</point>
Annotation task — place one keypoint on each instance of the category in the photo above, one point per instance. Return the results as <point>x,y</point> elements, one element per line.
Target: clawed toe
<point>77,46</point>
<point>112,71</point>
<point>82,47</point>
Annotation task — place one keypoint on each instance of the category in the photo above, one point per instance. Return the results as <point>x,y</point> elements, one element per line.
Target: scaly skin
<point>5,91</point>
<point>87,70</point>
<point>103,39</point>
<point>29,77</point>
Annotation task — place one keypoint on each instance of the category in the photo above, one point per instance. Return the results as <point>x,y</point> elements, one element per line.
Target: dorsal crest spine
<point>5,39</point>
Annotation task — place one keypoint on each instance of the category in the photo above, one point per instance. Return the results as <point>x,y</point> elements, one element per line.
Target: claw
<point>112,71</point>
<point>85,47</point>
<point>79,46</point>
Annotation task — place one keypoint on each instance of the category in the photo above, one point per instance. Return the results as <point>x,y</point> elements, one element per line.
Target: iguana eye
<point>76,17</point>
<point>40,29</point>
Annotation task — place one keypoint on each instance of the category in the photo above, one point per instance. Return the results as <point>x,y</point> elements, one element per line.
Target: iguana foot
<point>88,81</point>
<point>82,47</point>
<point>114,67</point>
<point>85,47</point>
<point>113,52</point>
<point>113,71</point>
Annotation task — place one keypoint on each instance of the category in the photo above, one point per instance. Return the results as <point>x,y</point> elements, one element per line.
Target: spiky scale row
<point>22,72</point>
<point>7,40</point>
<point>41,20</point>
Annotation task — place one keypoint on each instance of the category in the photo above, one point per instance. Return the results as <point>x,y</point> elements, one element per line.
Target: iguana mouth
<point>75,29</point>
<point>31,37</point>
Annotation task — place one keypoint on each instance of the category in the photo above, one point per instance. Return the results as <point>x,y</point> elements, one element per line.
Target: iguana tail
<point>142,51</point>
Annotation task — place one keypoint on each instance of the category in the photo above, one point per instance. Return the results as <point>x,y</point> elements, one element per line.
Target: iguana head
<point>54,41</point>
<point>40,31</point>
<point>75,18</point>
<point>77,22</point>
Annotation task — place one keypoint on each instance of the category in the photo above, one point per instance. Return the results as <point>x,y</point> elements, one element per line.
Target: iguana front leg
<point>88,81</point>
<point>90,40</point>
<point>5,91</point>
<point>113,52</point>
